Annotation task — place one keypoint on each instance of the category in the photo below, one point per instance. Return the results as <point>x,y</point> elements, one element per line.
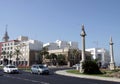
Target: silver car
<point>39,69</point>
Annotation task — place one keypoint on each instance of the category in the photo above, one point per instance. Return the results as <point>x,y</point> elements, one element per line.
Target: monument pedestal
<point>81,67</point>
<point>68,63</point>
<point>112,66</point>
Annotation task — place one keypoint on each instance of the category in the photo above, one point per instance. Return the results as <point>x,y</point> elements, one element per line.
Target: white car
<point>76,65</point>
<point>10,69</point>
<point>39,69</point>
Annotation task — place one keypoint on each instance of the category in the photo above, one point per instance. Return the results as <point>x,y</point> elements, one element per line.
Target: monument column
<point>112,62</point>
<point>83,34</point>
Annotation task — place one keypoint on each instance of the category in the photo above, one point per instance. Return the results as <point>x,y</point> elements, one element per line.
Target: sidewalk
<point>63,72</point>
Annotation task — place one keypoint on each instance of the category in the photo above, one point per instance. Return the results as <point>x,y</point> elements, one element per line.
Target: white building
<point>61,45</point>
<point>25,46</point>
<point>51,46</point>
<point>101,54</point>
<point>29,45</point>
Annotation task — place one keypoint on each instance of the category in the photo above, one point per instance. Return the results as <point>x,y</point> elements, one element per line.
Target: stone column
<point>83,34</point>
<point>112,62</point>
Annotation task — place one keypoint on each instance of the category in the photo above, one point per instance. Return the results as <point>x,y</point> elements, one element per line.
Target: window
<point>10,51</point>
<point>34,66</point>
<point>7,52</point>
<point>99,56</point>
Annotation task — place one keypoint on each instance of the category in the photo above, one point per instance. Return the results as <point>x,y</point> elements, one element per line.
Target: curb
<point>63,72</point>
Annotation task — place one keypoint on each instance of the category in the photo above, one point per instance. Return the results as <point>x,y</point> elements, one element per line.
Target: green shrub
<point>91,67</point>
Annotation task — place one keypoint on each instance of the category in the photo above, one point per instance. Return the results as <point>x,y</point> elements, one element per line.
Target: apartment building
<point>101,54</point>
<point>6,49</point>
<point>28,48</point>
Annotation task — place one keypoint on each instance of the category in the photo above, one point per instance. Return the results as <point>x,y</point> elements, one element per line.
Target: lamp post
<point>83,34</point>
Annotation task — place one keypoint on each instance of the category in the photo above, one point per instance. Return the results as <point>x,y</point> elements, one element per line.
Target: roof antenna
<point>6,28</point>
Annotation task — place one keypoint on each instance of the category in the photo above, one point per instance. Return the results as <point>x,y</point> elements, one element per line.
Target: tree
<point>74,56</point>
<point>4,59</point>
<point>91,67</point>
<point>61,59</point>
<point>56,59</point>
<point>17,52</point>
<point>10,56</point>
<point>53,58</point>
<point>44,52</point>
<point>3,53</point>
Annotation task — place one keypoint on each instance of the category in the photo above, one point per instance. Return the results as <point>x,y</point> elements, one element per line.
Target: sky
<point>51,20</point>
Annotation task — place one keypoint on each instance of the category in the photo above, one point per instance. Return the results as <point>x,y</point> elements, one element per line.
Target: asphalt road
<point>28,78</point>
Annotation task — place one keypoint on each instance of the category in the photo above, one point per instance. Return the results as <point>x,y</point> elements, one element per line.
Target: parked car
<point>76,66</point>
<point>39,69</point>
<point>104,66</point>
<point>1,65</point>
<point>10,69</point>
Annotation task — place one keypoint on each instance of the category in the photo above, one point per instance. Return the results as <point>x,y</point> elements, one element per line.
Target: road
<point>28,78</point>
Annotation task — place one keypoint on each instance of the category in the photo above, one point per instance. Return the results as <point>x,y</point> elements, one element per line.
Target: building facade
<point>101,54</point>
<point>70,59</point>
<point>64,48</point>
<point>28,49</point>
<point>61,45</point>
<point>6,49</point>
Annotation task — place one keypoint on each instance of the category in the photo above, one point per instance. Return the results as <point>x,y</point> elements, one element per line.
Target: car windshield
<point>12,67</point>
<point>41,66</point>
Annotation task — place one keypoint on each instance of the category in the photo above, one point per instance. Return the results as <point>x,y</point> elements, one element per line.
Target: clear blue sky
<point>49,20</point>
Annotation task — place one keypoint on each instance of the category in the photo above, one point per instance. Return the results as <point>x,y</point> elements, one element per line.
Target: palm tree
<point>10,56</point>
<point>4,53</point>
<point>53,58</point>
<point>17,53</point>
<point>44,52</point>
<point>61,59</point>
<point>76,54</point>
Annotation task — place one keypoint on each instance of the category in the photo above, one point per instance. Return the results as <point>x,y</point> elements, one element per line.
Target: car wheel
<point>47,73</point>
<point>7,71</point>
<point>32,72</point>
<point>4,71</point>
<point>39,73</point>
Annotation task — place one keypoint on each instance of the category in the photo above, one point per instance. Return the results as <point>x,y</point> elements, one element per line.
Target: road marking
<point>34,81</point>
